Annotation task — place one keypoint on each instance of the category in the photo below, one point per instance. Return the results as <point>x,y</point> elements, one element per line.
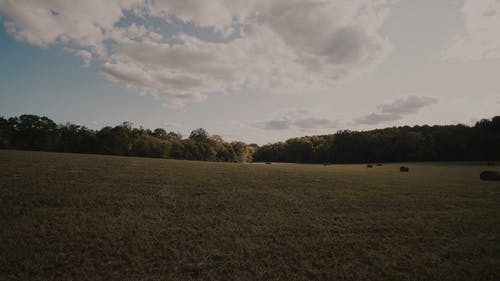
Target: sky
<point>259,71</point>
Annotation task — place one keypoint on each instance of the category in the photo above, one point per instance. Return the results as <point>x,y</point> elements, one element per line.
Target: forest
<point>418,143</point>
<point>397,144</point>
<point>32,132</point>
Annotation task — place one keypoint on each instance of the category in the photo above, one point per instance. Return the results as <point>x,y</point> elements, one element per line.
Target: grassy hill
<point>91,217</point>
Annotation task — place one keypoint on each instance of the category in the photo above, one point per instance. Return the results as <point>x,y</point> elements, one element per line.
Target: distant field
<point>90,217</point>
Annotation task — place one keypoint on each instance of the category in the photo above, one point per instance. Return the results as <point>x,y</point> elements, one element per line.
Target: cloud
<point>377,118</point>
<point>170,88</point>
<point>45,22</point>
<point>408,105</point>
<point>396,110</point>
<point>86,57</point>
<point>315,123</point>
<point>172,125</point>
<point>276,125</point>
<point>480,38</point>
<point>278,46</point>
<point>297,119</point>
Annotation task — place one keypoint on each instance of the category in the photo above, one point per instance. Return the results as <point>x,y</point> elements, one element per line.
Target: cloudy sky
<point>251,70</point>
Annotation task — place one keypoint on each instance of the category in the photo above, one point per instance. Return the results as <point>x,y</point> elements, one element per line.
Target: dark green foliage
<point>31,132</point>
<point>199,135</point>
<point>418,143</point>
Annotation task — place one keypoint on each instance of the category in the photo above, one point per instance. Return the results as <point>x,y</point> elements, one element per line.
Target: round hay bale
<point>369,166</point>
<point>404,169</point>
<point>490,176</point>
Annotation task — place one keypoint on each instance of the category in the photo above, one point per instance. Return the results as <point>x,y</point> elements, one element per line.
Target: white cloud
<point>218,14</point>
<point>396,110</point>
<point>276,125</point>
<point>47,22</point>
<point>481,36</point>
<point>171,89</point>
<point>297,119</point>
<point>86,56</point>
<point>275,45</point>
<point>408,105</point>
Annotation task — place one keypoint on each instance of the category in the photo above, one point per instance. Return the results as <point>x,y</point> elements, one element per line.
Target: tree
<point>6,133</point>
<point>173,137</point>
<point>418,143</point>
<point>34,132</point>
<point>199,135</point>
<point>160,133</point>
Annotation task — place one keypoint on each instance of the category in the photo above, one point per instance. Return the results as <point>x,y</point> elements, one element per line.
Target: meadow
<point>93,217</point>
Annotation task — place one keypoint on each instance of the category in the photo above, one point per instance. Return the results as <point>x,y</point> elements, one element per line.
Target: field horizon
<point>96,217</point>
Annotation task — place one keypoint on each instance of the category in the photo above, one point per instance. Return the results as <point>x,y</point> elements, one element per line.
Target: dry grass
<point>89,217</point>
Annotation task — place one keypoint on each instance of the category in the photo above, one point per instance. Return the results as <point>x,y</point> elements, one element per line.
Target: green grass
<point>90,217</point>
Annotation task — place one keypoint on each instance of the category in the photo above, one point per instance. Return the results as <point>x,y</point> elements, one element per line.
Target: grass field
<point>90,217</point>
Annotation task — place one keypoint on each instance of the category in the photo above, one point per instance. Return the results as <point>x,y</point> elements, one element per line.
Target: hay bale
<point>268,163</point>
<point>404,169</point>
<point>490,176</point>
<point>369,166</point>
<point>491,164</point>
<point>379,164</point>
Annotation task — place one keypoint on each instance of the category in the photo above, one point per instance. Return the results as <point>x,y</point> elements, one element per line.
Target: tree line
<point>32,132</point>
<point>397,144</point>
<point>418,143</point>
